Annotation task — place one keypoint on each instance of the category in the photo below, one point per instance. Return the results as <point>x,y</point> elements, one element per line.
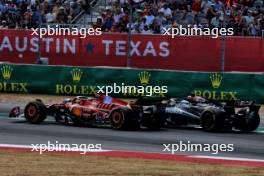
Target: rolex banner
<point>58,80</point>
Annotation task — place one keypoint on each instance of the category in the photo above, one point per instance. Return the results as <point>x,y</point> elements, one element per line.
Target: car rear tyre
<point>209,121</point>
<point>35,112</point>
<point>249,123</point>
<point>117,119</point>
<point>120,120</point>
<point>156,123</point>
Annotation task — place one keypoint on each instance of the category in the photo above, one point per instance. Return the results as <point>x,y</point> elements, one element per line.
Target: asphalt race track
<point>18,131</point>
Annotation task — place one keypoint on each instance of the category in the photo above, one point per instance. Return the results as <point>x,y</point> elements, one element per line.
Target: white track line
<point>226,158</point>
<point>16,146</point>
<point>191,156</point>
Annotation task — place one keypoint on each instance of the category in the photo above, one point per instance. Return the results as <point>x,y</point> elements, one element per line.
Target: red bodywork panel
<point>91,107</point>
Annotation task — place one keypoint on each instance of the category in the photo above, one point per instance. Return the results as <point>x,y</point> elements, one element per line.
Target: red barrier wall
<point>149,51</point>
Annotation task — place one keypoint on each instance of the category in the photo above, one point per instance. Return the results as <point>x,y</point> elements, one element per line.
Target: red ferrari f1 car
<point>97,110</point>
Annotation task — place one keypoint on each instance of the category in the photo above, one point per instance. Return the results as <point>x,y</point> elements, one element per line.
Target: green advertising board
<point>60,80</point>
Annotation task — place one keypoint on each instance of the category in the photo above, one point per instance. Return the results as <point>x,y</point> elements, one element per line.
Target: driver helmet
<point>194,98</point>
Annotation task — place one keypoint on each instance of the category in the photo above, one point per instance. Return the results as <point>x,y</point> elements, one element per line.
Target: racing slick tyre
<point>248,122</point>
<point>119,119</point>
<point>210,121</point>
<point>35,112</point>
<point>155,120</point>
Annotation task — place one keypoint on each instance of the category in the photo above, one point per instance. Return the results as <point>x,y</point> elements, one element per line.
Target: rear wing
<point>241,103</point>
<point>252,105</point>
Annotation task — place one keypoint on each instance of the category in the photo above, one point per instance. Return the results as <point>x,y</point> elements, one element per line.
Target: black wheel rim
<point>31,111</point>
<point>207,120</point>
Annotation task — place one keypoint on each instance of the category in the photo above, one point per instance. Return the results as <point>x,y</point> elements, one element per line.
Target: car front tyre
<point>211,121</point>
<point>35,112</point>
